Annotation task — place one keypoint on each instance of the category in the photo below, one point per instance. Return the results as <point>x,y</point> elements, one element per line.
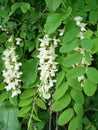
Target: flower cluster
<point>81,25</point>
<point>11,73</point>
<point>3,29</point>
<point>83,62</point>
<point>47,65</point>
<point>83,51</point>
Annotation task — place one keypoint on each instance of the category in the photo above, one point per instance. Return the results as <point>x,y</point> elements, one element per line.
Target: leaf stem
<point>63,4</point>
<point>30,119</point>
<point>56,121</point>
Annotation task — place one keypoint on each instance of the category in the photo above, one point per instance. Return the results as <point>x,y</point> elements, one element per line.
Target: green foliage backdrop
<point>73,102</point>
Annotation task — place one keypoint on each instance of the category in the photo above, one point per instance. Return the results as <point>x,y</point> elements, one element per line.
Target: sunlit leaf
<point>65,116</point>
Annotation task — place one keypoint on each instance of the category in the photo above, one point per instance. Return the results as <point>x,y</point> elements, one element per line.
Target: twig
<point>30,119</point>
<point>42,12</point>
<point>91,109</point>
<point>56,121</point>
<point>50,119</point>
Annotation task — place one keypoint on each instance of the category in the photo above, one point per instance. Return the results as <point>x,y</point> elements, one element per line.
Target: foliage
<point>73,104</point>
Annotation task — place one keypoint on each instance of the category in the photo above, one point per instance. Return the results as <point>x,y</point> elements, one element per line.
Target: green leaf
<point>62,103</point>
<point>96,34</point>
<point>71,32</point>
<point>8,119</point>
<point>95,46</point>
<point>28,93</point>
<point>14,7</point>
<point>2,38</point>
<point>87,8</point>
<point>2,85</point>
<point>80,4</point>
<point>3,13</point>
<point>35,117</point>
<point>78,109</point>
<point>1,49</point>
<point>75,124</point>
<point>23,111</point>
<point>29,69</point>
<point>40,125</point>
<point>25,102</point>
<point>40,103</point>
<point>92,74</point>
<point>88,57</point>
<point>75,72</point>
<point>13,100</point>
<point>71,59</point>
<point>88,33</point>
<point>67,13</point>
<point>54,20</point>
<point>93,17</point>
<point>65,116</point>
<point>24,7</point>
<point>60,91</point>
<point>74,83</point>
<point>3,96</point>
<point>59,78</point>
<point>70,46</point>
<point>89,87</point>
<point>92,3</point>
<point>52,4</point>
<point>77,96</point>
<point>87,44</point>
<point>32,85</point>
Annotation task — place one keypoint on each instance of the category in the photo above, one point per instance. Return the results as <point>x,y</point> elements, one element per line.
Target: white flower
<point>6,53</point>
<point>80,78</point>
<point>45,41</point>
<point>55,41</point>
<point>84,62</point>
<point>11,73</point>
<point>47,65</point>
<point>81,35</point>
<point>61,32</point>
<point>3,29</point>
<point>82,26</point>
<point>78,20</point>
<point>46,95</point>
<point>18,40</point>
<point>15,92</point>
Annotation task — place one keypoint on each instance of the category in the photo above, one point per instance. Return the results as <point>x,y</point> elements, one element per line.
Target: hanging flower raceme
<point>11,73</point>
<point>81,25</point>
<point>47,65</point>
<point>83,51</point>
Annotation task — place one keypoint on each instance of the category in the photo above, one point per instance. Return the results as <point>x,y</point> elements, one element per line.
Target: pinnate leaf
<point>65,116</point>
<point>52,4</point>
<point>40,103</point>
<point>89,87</point>
<point>60,91</point>
<point>92,74</point>
<point>62,103</point>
